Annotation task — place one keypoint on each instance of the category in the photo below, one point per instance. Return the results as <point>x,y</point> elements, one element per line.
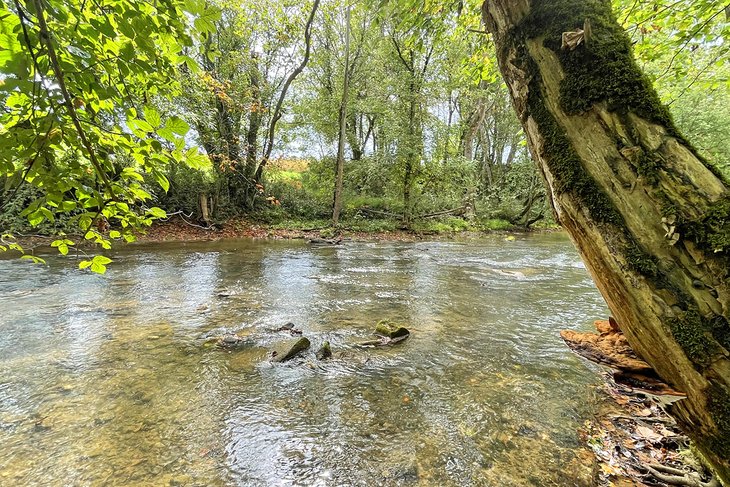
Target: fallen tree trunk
<point>649,217</point>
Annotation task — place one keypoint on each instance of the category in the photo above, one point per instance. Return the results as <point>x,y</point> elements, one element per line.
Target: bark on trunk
<point>650,218</point>
<point>340,165</point>
<point>255,120</point>
<point>474,123</point>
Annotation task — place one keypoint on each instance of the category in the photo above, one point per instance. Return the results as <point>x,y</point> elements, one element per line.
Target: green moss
<point>720,329</point>
<point>718,403</point>
<point>570,176</point>
<point>564,162</point>
<point>694,334</point>
<point>712,231</point>
<point>603,68</point>
<point>639,260</point>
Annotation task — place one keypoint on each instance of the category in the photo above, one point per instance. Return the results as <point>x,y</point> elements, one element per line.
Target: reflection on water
<point>105,380</point>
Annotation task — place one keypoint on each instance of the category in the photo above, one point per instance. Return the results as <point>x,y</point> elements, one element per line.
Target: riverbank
<point>178,229</point>
<point>636,443</point>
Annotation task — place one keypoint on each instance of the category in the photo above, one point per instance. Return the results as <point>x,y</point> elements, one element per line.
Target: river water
<point>109,380</point>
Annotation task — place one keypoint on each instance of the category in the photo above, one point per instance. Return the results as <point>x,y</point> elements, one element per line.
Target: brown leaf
<point>648,433</point>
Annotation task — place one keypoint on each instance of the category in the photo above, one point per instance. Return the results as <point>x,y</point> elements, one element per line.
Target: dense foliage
<point>117,113</point>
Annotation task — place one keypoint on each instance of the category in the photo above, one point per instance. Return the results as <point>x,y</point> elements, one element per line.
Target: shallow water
<point>108,380</point>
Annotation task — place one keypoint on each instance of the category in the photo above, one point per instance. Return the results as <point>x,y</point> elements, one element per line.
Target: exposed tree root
<point>675,476</point>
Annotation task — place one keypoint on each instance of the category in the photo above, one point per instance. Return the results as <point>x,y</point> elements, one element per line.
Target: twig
<point>180,212</point>
<point>702,26</point>
<point>210,227</point>
<point>377,212</point>
<point>45,37</point>
<point>455,211</point>
<point>668,421</point>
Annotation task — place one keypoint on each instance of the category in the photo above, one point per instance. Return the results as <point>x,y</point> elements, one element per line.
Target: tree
<point>236,101</point>
<point>342,122</point>
<point>413,48</point>
<point>649,216</point>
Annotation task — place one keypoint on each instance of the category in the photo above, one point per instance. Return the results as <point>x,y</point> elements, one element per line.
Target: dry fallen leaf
<point>648,433</point>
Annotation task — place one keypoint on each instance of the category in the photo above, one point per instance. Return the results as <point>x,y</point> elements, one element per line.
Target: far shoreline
<point>179,230</point>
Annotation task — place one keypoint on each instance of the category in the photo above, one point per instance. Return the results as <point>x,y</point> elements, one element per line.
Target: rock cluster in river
<point>386,331</point>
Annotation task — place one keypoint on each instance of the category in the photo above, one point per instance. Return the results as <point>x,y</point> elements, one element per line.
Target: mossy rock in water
<point>290,349</point>
<point>324,351</point>
<point>229,340</point>
<point>391,330</point>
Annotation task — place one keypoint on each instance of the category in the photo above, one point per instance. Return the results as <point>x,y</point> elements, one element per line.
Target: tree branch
<point>277,111</point>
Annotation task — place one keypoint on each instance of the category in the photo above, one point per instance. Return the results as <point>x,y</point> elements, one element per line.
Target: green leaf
<point>36,260</point>
<point>157,212</point>
<point>98,264</point>
<point>143,125</point>
<point>152,116</point>
<point>36,218</point>
<point>206,21</point>
<point>131,173</point>
<point>67,206</point>
<point>47,213</point>
<point>177,125</point>
<point>84,264</point>
<point>102,260</point>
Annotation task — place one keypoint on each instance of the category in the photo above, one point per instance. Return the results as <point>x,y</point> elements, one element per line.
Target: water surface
<point>107,380</point>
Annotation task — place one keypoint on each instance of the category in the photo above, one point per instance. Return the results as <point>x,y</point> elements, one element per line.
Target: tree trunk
<point>474,123</point>
<point>255,119</point>
<point>650,218</point>
<point>353,128</point>
<point>411,154</point>
<point>340,166</point>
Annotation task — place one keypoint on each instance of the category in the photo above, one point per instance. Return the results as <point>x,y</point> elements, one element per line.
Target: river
<point>108,380</point>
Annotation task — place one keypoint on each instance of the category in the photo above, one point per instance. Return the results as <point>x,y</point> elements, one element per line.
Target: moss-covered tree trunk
<point>650,218</point>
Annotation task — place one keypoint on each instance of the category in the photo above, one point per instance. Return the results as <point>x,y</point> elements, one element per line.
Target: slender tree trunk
<point>474,123</point>
<point>255,118</point>
<point>447,135</point>
<point>648,215</point>
<point>252,132</point>
<point>412,153</point>
<point>353,128</point>
<point>340,167</point>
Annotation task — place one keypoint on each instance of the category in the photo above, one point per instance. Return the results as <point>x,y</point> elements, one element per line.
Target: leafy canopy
<point>77,84</point>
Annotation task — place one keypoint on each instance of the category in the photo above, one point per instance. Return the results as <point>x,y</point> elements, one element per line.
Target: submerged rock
<point>388,333</point>
<point>324,351</point>
<point>288,327</point>
<point>387,328</point>
<point>229,340</point>
<point>288,350</point>
<point>325,241</point>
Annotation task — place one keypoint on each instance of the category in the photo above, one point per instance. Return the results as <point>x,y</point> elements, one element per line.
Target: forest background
<point>369,116</point>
